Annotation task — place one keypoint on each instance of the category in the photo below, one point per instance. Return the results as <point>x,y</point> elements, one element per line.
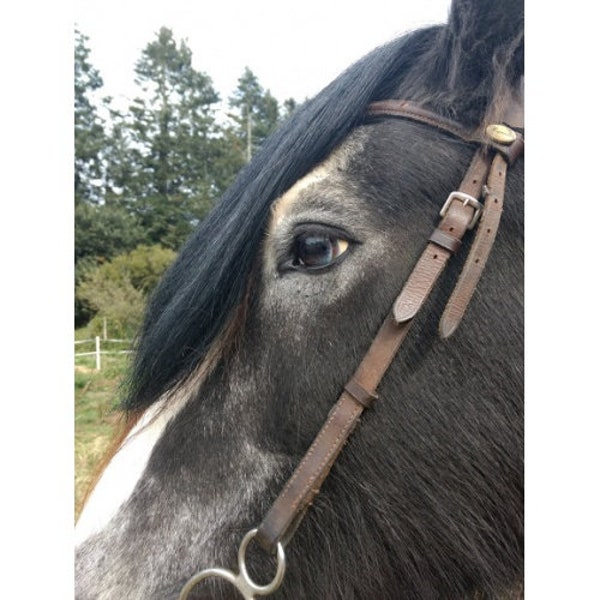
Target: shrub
<point>118,289</point>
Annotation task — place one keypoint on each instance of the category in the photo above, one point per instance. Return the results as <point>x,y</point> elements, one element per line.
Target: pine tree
<point>289,106</point>
<point>148,175</point>
<point>103,226</point>
<point>255,112</point>
<point>172,130</point>
<point>89,129</point>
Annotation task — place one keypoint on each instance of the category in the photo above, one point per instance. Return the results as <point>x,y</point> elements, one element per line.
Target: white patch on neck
<point>126,467</point>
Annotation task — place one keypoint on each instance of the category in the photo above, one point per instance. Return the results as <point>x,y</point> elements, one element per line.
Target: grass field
<point>96,417</point>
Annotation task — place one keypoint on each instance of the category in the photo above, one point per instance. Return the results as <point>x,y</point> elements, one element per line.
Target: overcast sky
<point>295,48</point>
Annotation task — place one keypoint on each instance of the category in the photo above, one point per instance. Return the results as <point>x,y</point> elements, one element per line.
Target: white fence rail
<point>98,351</point>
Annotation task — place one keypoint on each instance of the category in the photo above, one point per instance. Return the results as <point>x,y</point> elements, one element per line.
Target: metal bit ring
<point>242,581</point>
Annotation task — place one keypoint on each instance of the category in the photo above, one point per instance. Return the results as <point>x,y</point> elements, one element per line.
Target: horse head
<point>265,315</point>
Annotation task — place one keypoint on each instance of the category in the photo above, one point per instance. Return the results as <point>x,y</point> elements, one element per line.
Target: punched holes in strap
<point>360,394</point>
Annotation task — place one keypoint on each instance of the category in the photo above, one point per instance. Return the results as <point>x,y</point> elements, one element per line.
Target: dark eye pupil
<point>314,250</point>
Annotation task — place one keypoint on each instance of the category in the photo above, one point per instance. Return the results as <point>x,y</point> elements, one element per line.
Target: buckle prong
<point>467,200</point>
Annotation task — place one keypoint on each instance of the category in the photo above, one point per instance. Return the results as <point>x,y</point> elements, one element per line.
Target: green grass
<point>96,414</point>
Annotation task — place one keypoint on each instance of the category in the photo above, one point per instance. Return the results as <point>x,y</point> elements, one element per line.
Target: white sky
<point>294,48</point>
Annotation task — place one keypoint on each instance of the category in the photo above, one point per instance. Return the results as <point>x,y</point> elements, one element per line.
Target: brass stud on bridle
<point>501,134</point>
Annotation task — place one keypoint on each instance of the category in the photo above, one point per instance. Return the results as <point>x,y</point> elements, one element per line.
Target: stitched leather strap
<point>405,109</point>
<point>479,252</point>
<point>459,214</point>
<point>454,224</point>
<point>409,110</point>
<point>300,490</point>
<point>364,397</point>
<point>484,238</point>
<point>506,154</point>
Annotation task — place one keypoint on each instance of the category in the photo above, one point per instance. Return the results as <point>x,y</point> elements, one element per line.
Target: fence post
<point>104,329</point>
<point>97,353</point>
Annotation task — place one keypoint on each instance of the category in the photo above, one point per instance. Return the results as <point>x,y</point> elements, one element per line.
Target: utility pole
<point>248,134</point>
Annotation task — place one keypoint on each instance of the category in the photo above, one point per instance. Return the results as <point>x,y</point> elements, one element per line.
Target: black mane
<point>454,69</point>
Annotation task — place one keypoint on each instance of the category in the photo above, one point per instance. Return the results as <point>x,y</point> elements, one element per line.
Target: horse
<point>266,313</point>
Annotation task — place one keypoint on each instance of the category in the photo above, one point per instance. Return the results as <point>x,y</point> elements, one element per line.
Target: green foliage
<point>83,311</point>
<point>118,301</point>
<point>143,266</point>
<point>101,232</point>
<point>289,106</point>
<point>89,131</point>
<point>148,175</point>
<point>104,231</point>
<point>228,159</point>
<point>117,290</point>
<point>256,112</point>
<point>172,130</point>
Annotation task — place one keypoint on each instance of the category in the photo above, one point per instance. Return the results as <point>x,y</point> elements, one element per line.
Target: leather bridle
<point>499,145</point>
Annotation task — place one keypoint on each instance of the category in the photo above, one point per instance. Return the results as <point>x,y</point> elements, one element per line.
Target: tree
<point>289,106</point>
<point>89,129</point>
<point>172,130</point>
<point>149,174</point>
<point>256,112</point>
<point>101,232</point>
<point>104,231</point>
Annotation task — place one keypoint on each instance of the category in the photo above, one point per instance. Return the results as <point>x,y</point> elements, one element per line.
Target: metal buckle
<point>466,199</point>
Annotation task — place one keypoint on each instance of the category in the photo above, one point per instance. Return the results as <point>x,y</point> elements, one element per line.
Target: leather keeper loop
<point>360,394</point>
<point>512,152</point>
<point>445,240</point>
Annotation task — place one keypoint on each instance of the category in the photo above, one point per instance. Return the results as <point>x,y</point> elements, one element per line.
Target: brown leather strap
<point>479,252</point>
<point>364,397</point>
<point>483,242</point>
<point>507,153</point>
<point>300,490</point>
<point>459,214</point>
<point>457,219</point>
<point>289,507</point>
<point>405,109</point>
<point>410,110</point>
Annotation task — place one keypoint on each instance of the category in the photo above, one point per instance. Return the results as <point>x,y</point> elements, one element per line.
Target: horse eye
<point>317,250</point>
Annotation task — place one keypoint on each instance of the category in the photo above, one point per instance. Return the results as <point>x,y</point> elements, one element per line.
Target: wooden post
<point>104,329</point>
<point>97,353</point>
